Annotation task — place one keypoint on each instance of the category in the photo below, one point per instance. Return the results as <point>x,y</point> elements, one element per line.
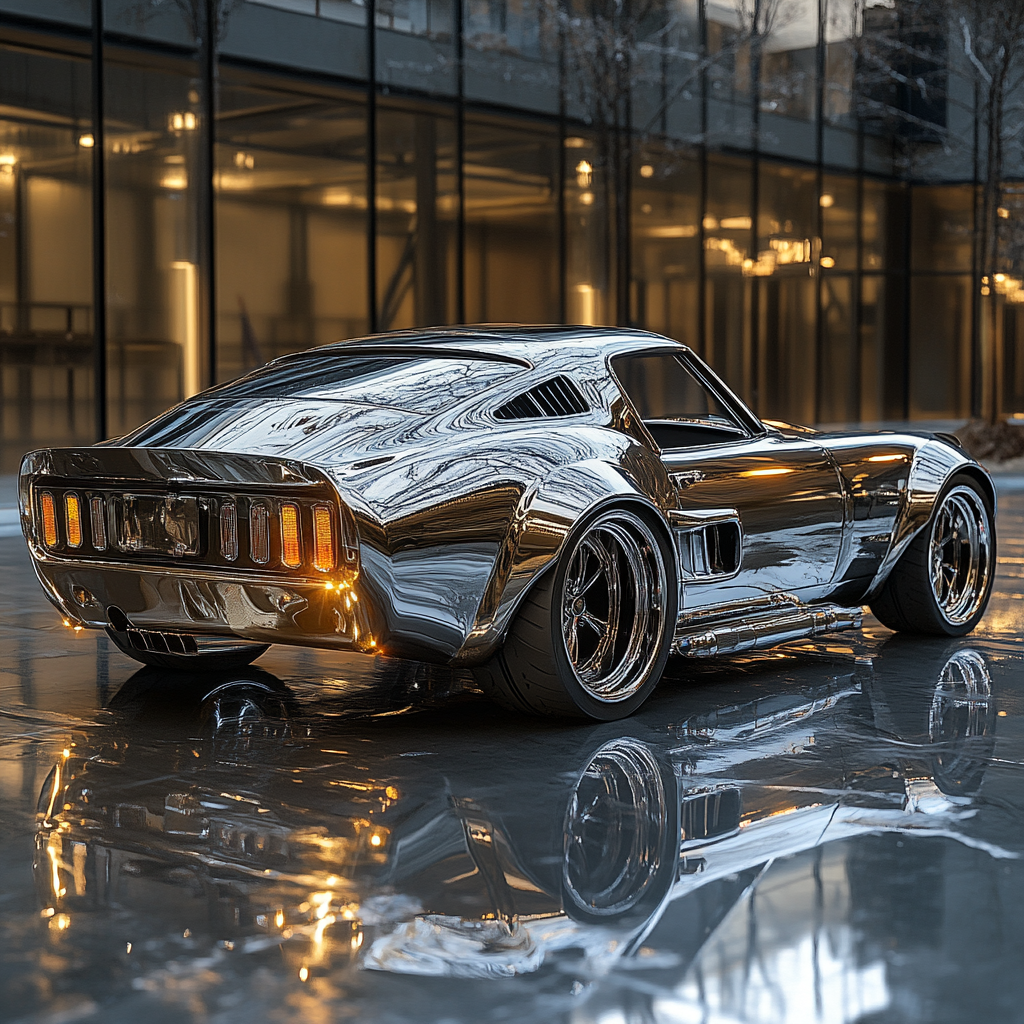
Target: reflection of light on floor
<point>782,990</point>
<point>767,964</point>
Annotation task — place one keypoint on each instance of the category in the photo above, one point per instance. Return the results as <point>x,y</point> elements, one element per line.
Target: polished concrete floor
<point>829,832</point>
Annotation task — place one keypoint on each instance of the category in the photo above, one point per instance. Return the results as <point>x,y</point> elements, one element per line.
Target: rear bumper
<point>204,602</point>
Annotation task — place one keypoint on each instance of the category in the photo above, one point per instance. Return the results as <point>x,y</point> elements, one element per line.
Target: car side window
<point>677,408</point>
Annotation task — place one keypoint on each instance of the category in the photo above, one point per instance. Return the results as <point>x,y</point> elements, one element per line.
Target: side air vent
<point>555,397</point>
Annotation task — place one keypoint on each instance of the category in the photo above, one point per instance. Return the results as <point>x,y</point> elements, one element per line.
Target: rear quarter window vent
<point>556,397</point>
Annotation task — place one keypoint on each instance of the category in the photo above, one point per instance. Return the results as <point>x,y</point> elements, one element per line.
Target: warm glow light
<point>828,262</point>
<point>323,539</point>
<point>375,840</point>
<point>245,161</point>
<point>736,223</point>
<point>175,179</point>
<point>291,551</point>
<point>1000,278</point>
<point>303,973</point>
<point>184,121</point>
<point>73,517</point>
<point>825,200</point>
<point>646,171</point>
<point>86,141</point>
<point>587,198</point>
<point>8,159</point>
<point>1003,212</point>
<point>886,458</point>
<point>49,512</point>
<point>584,173</point>
<point>671,231</point>
<point>279,919</point>
<point>775,471</point>
<point>574,142</point>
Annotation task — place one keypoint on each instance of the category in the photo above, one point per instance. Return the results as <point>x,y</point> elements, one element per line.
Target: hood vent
<point>556,397</point>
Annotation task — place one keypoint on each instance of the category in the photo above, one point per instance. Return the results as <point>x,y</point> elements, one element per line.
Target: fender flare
<point>935,463</point>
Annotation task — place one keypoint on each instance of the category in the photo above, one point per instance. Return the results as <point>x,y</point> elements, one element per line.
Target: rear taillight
<point>49,511</point>
<point>291,548</point>
<point>98,523</point>
<point>259,533</point>
<point>229,531</point>
<point>73,520</point>
<point>324,558</point>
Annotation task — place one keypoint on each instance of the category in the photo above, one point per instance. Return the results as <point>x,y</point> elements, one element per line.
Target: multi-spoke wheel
<point>941,584</point>
<point>591,640</point>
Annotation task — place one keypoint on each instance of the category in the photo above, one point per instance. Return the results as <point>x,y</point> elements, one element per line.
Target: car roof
<point>534,344</point>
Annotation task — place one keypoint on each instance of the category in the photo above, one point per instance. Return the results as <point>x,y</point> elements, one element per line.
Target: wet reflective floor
<point>828,832</point>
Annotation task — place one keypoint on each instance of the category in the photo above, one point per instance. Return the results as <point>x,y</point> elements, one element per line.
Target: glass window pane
<point>589,231</point>
<point>46,340</point>
<point>842,25</point>
<point>942,226</point>
<point>291,224</point>
<point>512,49</point>
<point>881,348</point>
<point>313,35</point>
<point>786,247</point>
<point>72,12</point>
<point>728,24</point>
<point>414,44</point>
<point>417,206</point>
<point>155,278</point>
<point>787,364</point>
<point>838,202</point>
<point>883,225</point>
<point>840,370</point>
<point>666,244</point>
<point>662,388</point>
<point>940,347</point>
<point>789,59</point>
<point>728,240</point>
<point>511,260</point>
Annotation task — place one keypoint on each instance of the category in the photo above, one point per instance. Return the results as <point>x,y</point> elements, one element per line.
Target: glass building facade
<point>189,188</point>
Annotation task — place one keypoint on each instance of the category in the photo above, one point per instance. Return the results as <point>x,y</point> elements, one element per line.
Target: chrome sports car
<point>558,508</point>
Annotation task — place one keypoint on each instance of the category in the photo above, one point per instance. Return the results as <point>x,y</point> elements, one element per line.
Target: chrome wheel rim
<point>613,606</point>
<point>960,555</point>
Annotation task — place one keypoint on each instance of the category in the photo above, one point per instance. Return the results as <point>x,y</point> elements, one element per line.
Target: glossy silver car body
<point>446,518</point>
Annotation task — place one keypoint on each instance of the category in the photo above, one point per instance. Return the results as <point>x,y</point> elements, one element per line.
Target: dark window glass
<point>291,223</point>
<point>46,331</point>
<point>662,388</point>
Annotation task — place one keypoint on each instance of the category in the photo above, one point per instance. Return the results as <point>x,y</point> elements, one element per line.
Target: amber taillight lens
<point>259,534</point>
<point>73,517</point>
<point>49,511</point>
<point>323,539</point>
<point>98,522</point>
<point>291,549</point>
<point>229,531</point>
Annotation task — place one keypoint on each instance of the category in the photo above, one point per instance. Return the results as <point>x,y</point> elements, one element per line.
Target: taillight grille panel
<point>305,536</point>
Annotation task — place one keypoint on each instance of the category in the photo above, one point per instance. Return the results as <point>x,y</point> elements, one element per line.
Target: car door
<point>756,513</point>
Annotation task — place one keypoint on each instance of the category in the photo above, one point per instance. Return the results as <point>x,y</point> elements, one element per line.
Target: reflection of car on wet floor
<point>246,823</point>
<point>557,509</point>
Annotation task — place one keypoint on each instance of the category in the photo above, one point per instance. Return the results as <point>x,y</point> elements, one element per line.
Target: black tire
<point>908,602</point>
<point>230,655</point>
<point>533,672</point>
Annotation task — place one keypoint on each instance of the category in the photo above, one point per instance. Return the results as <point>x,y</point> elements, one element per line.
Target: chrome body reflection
<point>442,862</point>
<point>448,468</point>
